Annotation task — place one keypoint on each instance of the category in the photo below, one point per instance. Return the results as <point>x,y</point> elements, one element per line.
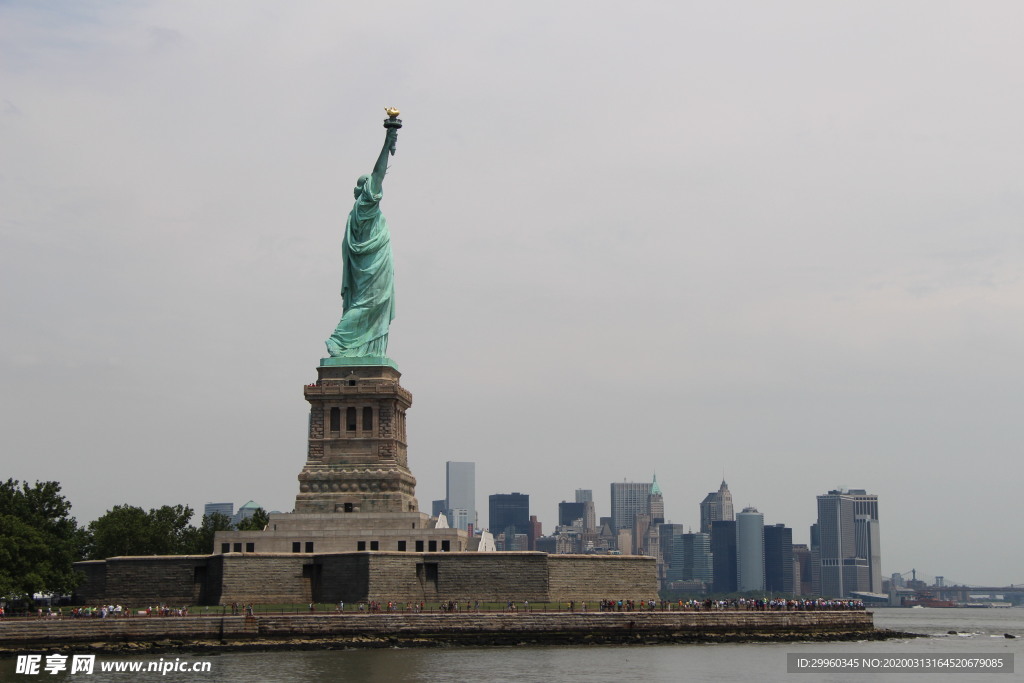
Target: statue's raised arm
<point>381,167</point>
<point>367,281</point>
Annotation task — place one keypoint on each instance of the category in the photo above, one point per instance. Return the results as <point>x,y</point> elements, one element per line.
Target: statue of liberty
<point>368,276</point>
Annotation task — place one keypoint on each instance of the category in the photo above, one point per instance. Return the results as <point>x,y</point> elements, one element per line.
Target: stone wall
<point>136,629</point>
<point>169,579</point>
<point>597,577</point>
<point>267,578</point>
<point>393,576</point>
<point>430,577</point>
<point>491,576</point>
<point>94,584</point>
<point>212,591</point>
<point>316,433</point>
<point>362,576</point>
<point>687,625</point>
<point>356,629</point>
<point>343,577</point>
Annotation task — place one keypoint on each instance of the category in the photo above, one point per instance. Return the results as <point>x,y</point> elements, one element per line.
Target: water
<point>979,631</point>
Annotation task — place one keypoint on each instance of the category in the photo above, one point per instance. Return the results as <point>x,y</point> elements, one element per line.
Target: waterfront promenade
<point>328,630</point>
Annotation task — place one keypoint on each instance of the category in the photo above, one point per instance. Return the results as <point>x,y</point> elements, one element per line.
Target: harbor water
<point>946,632</point>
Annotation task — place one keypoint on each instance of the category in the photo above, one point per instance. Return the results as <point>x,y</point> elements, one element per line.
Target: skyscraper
<point>570,512</point>
<point>656,503</point>
<point>509,514</point>
<point>723,551</point>
<point>865,523</point>
<point>586,496</point>
<point>716,506</point>
<point>246,511</point>
<point>628,500</point>
<point>667,535</point>
<point>803,583</point>
<point>535,531</point>
<point>778,559</point>
<point>691,558</point>
<point>460,491</point>
<point>226,509</point>
<point>637,509</point>
<point>815,559</point>
<point>458,518</point>
<point>848,554</point>
<point>749,550</point>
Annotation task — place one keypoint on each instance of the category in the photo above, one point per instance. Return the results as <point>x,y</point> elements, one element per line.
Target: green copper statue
<point>368,277</point>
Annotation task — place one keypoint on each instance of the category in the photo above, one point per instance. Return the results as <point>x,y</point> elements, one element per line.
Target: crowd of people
<point>609,605</point>
<point>456,606</point>
<point>749,604</point>
<point>112,611</point>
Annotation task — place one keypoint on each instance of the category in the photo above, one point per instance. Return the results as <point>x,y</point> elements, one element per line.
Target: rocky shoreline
<point>379,642</point>
<point>324,632</point>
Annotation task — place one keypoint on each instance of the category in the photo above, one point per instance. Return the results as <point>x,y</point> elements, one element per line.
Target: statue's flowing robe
<point>367,283</point>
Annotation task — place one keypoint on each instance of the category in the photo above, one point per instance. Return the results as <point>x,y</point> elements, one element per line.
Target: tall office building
<point>692,559</point>
<point>586,497</point>
<point>460,491</point>
<point>628,500</point>
<point>802,581</point>
<point>815,555</point>
<point>749,550</point>
<point>246,511</point>
<point>535,531</point>
<point>778,560</point>
<point>865,524</point>
<point>667,535</point>
<point>458,518</point>
<point>848,555</point>
<point>716,506</point>
<point>656,503</point>
<point>723,552</point>
<point>509,514</point>
<point>570,512</point>
<point>634,510</point>
<point>226,509</point>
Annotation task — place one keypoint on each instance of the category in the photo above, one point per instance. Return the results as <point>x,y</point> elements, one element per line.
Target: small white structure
<point>486,543</point>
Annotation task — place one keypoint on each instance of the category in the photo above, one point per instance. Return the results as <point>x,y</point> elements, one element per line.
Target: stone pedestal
<point>357,459</point>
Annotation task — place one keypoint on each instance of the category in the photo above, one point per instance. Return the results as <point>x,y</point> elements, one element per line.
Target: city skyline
<point>842,554</point>
<point>783,245</point>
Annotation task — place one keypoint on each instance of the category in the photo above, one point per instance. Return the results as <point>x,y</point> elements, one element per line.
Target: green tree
<point>122,530</point>
<point>199,541</point>
<point>130,530</point>
<point>39,540</point>
<point>257,522</point>
<point>169,529</point>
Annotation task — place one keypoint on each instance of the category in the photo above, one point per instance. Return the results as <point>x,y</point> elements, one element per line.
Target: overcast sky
<point>775,241</point>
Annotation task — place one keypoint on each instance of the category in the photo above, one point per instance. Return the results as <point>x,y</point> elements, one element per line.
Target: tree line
<point>40,540</point>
